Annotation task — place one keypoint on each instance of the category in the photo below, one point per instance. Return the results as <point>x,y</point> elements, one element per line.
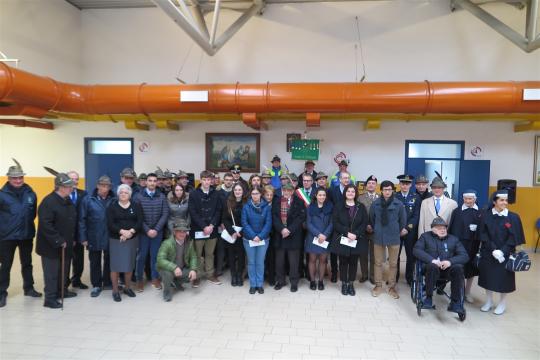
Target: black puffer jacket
<point>430,247</point>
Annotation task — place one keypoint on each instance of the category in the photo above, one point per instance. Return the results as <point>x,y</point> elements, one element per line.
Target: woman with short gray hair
<point>124,219</point>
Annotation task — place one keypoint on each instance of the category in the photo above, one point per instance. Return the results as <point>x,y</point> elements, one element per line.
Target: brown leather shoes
<point>156,284</point>
<point>393,293</point>
<point>376,291</point>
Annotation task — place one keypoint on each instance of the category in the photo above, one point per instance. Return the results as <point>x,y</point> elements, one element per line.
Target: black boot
<point>239,281</point>
<point>344,288</point>
<point>321,285</point>
<point>3,298</point>
<point>333,278</point>
<point>313,285</point>
<point>234,279</point>
<point>53,304</point>
<point>350,289</point>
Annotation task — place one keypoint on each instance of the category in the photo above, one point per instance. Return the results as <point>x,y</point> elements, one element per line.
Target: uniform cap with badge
<point>405,178</point>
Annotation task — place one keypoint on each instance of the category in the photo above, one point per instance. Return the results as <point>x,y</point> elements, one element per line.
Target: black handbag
<point>518,262</point>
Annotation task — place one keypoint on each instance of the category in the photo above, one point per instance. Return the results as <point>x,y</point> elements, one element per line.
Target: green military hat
<point>293,177</point>
<point>422,179</point>
<point>181,225</point>
<point>287,186</point>
<point>143,176</point>
<point>104,180</point>
<point>437,183</point>
<point>438,221</point>
<point>128,173</point>
<point>266,175</point>
<point>60,179</point>
<point>181,174</point>
<point>15,170</point>
<point>159,173</point>
<point>321,175</point>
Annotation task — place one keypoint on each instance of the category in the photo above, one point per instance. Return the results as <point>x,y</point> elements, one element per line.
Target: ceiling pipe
<point>22,89</point>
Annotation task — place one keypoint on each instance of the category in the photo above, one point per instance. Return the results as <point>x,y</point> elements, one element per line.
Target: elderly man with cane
<point>55,238</point>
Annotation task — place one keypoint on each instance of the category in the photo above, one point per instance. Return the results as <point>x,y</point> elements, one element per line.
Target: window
<point>434,150</point>
<point>109,147</point>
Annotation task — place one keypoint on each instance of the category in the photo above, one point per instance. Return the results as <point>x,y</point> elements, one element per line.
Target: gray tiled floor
<point>226,322</point>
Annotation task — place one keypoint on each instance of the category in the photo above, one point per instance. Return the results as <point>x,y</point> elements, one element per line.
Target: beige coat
<point>427,212</point>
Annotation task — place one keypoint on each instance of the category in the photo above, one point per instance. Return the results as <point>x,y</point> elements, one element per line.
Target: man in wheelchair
<point>443,257</point>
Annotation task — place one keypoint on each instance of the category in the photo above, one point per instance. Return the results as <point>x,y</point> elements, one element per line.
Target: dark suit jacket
<point>344,224</point>
<point>295,220</point>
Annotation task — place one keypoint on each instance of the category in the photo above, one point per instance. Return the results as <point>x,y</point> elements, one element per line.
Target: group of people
<point>279,224</point>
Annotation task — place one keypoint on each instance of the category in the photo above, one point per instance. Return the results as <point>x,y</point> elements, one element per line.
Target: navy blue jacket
<point>17,213</point>
<point>319,220</point>
<point>412,204</point>
<point>93,221</point>
<point>155,210</point>
<point>256,220</point>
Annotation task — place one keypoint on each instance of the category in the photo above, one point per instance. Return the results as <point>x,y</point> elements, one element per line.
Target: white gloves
<point>498,254</point>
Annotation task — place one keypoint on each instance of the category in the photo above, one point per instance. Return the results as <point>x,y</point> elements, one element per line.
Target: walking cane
<point>62,274</point>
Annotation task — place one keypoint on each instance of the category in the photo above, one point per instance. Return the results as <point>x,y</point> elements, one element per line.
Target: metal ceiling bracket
<point>194,24</point>
<point>527,43</point>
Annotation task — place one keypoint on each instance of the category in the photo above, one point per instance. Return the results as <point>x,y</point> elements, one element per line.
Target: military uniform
<point>368,261</point>
<point>412,203</point>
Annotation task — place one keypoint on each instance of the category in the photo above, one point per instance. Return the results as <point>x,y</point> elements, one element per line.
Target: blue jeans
<point>255,256</point>
<point>146,245</point>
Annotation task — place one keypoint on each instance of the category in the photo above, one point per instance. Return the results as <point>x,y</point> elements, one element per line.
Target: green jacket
<point>166,257</point>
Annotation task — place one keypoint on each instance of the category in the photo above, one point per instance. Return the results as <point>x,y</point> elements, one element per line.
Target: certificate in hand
<point>346,241</point>
<point>324,244</point>
<point>200,235</point>
<point>254,244</point>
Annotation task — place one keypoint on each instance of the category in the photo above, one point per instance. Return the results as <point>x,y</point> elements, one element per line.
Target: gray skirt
<point>123,254</point>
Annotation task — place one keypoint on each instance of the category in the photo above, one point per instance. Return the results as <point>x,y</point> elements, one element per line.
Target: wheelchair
<point>418,291</point>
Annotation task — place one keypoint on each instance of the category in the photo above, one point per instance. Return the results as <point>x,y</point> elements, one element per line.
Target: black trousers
<point>407,242</point>
<point>367,262</point>
<point>7,253</point>
<point>294,258</point>
<point>100,271</point>
<point>333,263</point>
<point>78,263</point>
<point>219,259</point>
<point>236,256</point>
<point>52,273</point>
<point>270,265</point>
<point>348,266</point>
<point>454,273</point>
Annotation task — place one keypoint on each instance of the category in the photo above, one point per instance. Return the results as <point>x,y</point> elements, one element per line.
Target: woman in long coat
<point>500,232</point>
<point>464,226</point>
<point>350,220</point>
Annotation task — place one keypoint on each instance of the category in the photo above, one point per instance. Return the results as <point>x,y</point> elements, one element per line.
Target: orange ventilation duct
<point>24,93</point>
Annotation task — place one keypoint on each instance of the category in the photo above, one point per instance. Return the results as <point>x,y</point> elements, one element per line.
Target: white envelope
<point>237,228</point>
<point>324,244</point>
<point>345,241</point>
<point>473,227</point>
<point>254,244</point>
<point>200,235</point>
<point>227,237</point>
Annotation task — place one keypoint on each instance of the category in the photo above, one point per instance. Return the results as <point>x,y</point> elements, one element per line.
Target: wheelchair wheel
<point>413,291</point>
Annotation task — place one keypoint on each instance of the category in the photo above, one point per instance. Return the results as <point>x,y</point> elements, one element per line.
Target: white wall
<point>44,35</point>
<point>379,152</point>
<point>402,40</point>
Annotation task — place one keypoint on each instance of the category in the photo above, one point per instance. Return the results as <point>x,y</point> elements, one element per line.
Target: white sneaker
<point>486,307</point>
<point>499,310</point>
<point>469,299</point>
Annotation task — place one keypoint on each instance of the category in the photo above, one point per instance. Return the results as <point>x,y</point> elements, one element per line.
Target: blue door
<point>474,174</point>
<point>106,156</point>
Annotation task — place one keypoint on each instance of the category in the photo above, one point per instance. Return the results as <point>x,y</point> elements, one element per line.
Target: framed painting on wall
<point>226,149</point>
<point>536,180</point>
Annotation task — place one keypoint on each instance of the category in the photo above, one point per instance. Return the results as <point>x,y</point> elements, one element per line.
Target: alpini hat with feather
<point>15,170</point>
<point>60,179</point>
